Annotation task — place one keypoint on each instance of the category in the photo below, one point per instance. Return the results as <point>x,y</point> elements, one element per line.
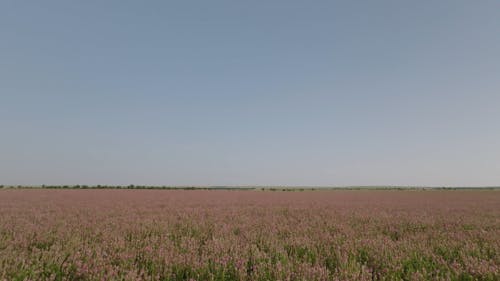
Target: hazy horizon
<point>274,93</point>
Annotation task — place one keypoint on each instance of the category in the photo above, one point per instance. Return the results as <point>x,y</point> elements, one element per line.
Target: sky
<point>317,93</point>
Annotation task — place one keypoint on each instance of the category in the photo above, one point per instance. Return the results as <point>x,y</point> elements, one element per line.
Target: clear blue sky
<point>250,92</point>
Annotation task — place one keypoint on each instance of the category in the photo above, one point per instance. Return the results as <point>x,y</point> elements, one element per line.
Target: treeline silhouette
<point>262,188</point>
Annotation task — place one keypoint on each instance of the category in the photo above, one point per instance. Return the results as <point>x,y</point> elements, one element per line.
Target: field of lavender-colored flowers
<point>249,235</point>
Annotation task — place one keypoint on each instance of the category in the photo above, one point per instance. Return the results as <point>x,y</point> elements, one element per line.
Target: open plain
<point>249,235</point>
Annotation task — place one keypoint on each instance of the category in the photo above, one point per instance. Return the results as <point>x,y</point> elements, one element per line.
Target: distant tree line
<point>260,188</point>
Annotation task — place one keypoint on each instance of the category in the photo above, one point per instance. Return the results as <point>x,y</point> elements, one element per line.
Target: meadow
<point>48,234</point>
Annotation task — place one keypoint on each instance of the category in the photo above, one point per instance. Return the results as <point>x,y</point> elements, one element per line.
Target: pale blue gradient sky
<point>250,92</point>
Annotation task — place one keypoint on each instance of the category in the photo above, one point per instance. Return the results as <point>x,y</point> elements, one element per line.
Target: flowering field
<point>249,235</point>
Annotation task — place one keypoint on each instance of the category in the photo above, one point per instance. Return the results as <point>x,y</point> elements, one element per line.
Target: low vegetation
<point>48,234</point>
